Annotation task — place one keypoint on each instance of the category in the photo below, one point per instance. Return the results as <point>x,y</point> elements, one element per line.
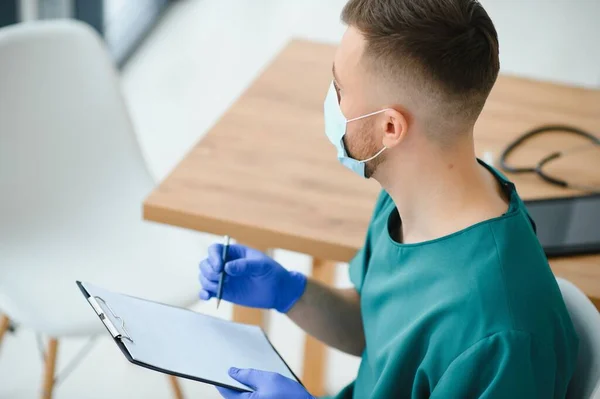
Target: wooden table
<point>266,175</point>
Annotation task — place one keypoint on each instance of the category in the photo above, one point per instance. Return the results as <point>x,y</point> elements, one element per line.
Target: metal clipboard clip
<point>116,333</point>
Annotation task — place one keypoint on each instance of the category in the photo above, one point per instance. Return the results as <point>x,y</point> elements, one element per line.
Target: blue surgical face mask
<point>335,129</point>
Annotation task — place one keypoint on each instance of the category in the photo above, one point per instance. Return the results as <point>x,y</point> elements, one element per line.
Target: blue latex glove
<point>253,279</point>
<point>265,385</point>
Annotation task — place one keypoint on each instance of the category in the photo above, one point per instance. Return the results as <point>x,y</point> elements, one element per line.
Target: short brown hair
<point>451,44</point>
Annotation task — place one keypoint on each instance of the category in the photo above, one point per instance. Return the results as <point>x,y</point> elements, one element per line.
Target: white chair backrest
<point>70,164</point>
<point>586,319</point>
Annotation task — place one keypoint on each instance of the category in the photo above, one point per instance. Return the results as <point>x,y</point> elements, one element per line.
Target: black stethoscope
<point>538,169</point>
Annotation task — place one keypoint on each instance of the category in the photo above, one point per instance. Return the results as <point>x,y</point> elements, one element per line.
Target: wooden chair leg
<point>4,326</point>
<point>315,353</point>
<point>177,392</point>
<point>246,315</point>
<point>50,368</point>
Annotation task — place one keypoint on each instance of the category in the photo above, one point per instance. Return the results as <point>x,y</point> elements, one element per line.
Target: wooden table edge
<point>252,235</point>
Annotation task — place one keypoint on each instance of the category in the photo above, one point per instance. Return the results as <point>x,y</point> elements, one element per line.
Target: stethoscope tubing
<point>538,168</point>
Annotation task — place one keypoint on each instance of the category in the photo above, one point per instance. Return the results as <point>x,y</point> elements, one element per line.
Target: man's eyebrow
<point>336,80</point>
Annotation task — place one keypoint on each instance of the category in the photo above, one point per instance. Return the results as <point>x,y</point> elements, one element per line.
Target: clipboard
<point>136,326</point>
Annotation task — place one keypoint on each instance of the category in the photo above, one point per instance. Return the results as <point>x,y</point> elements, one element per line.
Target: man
<point>453,295</point>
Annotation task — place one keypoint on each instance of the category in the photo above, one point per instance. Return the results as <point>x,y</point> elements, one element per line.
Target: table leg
<point>242,314</point>
<point>315,352</point>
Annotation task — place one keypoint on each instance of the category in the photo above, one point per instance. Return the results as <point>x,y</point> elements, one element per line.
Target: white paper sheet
<point>187,342</point>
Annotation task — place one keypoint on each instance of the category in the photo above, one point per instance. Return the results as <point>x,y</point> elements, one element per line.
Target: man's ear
<point>395,127</point>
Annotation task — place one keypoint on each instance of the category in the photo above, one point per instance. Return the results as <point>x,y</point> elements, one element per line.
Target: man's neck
<point>442,194</point>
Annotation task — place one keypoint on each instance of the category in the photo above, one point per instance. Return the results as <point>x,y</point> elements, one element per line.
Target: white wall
<point>549,39</point>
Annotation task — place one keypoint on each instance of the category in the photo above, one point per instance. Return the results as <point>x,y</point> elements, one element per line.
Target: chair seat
<point>585,382</point>
<point>154,262</point>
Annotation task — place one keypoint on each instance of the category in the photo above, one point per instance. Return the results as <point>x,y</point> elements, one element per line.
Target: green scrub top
<point>475,314</point>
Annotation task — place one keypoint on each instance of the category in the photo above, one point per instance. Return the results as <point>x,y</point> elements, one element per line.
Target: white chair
<point>72,182</point>
<point>586,319</point>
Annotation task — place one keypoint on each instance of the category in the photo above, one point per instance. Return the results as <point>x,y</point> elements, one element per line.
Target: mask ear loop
<point>374,156</point>
<point>366,116</point>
